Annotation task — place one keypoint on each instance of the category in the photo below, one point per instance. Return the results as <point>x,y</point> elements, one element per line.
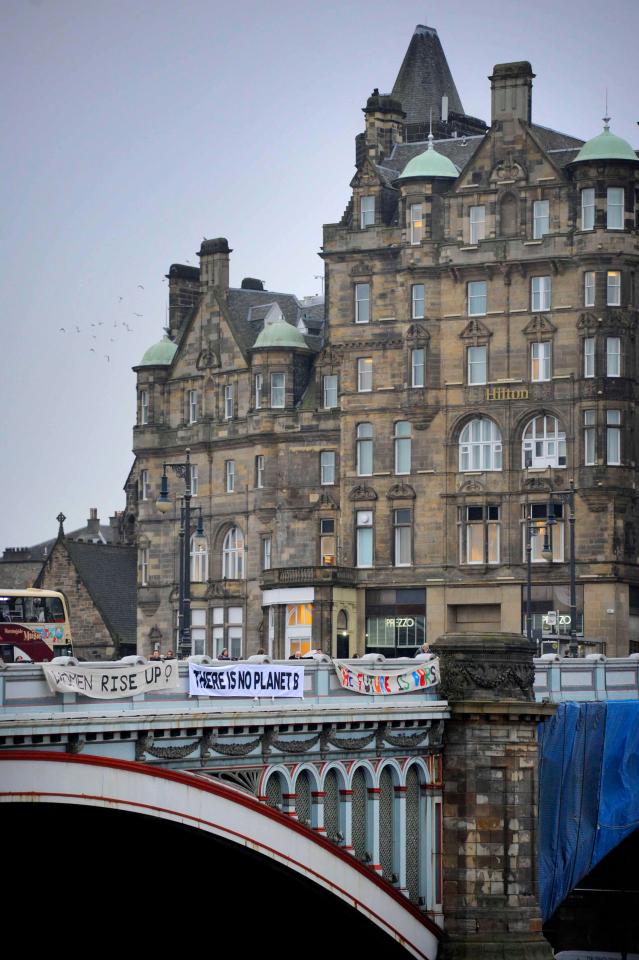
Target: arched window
<point>480,446</point>
<point>233,555</point>
<point>544,443</point>
<point>199,559</point>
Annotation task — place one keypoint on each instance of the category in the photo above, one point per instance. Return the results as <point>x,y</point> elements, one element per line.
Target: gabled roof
<point>424,77</point>
<point>109,574</point>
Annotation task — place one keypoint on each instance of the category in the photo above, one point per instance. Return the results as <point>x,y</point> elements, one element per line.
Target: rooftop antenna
<point>606,119</point>
<point>430,132</point>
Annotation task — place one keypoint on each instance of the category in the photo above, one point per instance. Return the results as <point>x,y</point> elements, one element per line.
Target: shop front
<point>395,621</point>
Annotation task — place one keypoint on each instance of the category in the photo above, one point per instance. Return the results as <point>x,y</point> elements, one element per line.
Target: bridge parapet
<point>587,679</point>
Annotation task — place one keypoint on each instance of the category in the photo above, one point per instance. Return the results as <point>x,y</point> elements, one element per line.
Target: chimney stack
<point>93,523</point>
<point>214,263</point>
<point>511,86</point>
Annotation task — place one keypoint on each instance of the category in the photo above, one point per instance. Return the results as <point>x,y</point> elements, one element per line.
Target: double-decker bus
<point>34,626</point>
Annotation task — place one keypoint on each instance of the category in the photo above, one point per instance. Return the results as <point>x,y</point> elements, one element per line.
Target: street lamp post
<point>164,504</point>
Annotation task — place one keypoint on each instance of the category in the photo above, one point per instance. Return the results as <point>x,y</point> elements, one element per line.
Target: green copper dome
<point>606,146</point>
<point>430,163</point>
<point>280,336</point>
<point>160,354</point>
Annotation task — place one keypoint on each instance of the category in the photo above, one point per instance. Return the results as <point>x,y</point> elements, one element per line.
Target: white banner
<point>246,680</point>
<point>422,674</point>
<point>112,683</point>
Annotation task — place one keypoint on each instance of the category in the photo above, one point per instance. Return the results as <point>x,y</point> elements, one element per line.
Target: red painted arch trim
<point>235,796</point>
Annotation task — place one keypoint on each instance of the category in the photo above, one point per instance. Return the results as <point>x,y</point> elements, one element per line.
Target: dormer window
<point>367,212</point>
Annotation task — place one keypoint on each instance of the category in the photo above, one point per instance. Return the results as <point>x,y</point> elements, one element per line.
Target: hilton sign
<point>506,393</point>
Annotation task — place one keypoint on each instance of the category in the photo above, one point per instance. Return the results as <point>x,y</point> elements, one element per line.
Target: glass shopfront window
<point>395,621</point>
<point>547,599</point>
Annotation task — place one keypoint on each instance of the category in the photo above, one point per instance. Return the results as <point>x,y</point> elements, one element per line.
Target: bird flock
<point>97,339</point>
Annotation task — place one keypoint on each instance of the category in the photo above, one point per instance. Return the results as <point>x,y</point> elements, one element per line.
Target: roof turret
<point>160,354</point>
<point>280,335</point>
<point>429,164</point>
<point>606,146</point>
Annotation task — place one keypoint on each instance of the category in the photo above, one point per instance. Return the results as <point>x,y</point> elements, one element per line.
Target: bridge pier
<point>490,799</point>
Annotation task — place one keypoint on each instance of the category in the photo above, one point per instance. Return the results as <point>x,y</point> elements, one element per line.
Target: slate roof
<point>457,149</point>
<point>424,77</point>
<point>247,309</point>
<point>110,575</point>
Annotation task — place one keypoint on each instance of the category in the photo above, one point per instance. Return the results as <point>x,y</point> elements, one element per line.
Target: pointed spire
<point>424,77</point>
<point>60,518</point>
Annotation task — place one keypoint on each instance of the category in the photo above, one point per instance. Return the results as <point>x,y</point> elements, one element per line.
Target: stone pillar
<point>490,799</point>
<point>317,811</point>
<point>346,817</point>
<point>372,822</point>
<point>399,837</point>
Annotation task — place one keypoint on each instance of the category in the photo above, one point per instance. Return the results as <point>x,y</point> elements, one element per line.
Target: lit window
<point>541,293</point>
<point>278,385</point>
<point>479,534</point>
<point>228,402</point>
<point>229,474</point>
<point>364,541</point>
<point>403,530</point>
<point>266,553</point>
<point>198,632</point>
<point>541,218</point>
<point>328,542</point>
<point>417,301</point>
<point>540,359</point>
<point>544,534</point>
<point>477,224</point>
<point>589,288</point>
<point>330,391</point>
<point>416,223</point>
<point>614,208</point>
<point>477,298</point>
<point>589,357</point>
<point>367,212</point>
<point>588,209</point>
<point>365,450</point>
<point>477,358</point>
<point>364,374</point>
<point>259,383</point>
<point>195,479</point>
<point>192,401</point>
<point>543,443</point>
<point>403,444</point>
<point>362,302</point>
<point>145,486</point>
<point>233,555</point>
<point>327,468</point>
<point>590,438</point>
<point>613,288</point>
<point>480,446</point>
<point>613,357</point>
<point>144,407</point>
<point>417,367</point>
<point>259,471</point>
<point>613,437</point>
<point>199,559</point>
<point>144,566</point>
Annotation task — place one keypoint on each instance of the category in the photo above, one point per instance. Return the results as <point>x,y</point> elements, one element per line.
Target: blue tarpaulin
<point>588,791</point>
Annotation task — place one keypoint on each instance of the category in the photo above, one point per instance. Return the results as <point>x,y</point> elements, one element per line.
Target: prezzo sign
<point>423,674</point>
<point>400,621</point>
<point>114,683</point>
<point>246,680</point>
<point>553,619</point>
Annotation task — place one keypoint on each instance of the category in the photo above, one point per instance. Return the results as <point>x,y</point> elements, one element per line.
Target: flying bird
<point>138,314</point>
<point>140,287</point>
<point>108,358</point>
<point>77,329</point>
<point>62,330</point>
<point>91,350</point>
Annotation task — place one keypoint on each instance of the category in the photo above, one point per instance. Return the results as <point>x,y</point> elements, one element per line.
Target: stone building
<point>371,481</point>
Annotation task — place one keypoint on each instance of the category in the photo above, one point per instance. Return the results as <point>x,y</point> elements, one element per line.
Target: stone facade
<point>479,353</point>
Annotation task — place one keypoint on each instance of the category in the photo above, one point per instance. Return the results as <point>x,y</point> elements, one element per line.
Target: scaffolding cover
<point>588,791</point>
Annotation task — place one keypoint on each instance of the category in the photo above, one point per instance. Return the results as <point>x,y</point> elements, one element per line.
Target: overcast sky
<point>134,128</point>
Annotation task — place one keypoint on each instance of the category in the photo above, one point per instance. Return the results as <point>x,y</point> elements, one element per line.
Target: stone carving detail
<point>471,486</point>
<point>170,753</point>
<point>536,483</point>
<point>361,492</point>
<point>587,323</point>
<point>401,491</point>
<point>508,169</point>
<point>208,359</point>
<point>475,330</point>
<point>539,327</point>
<point>329,357</point>
<point>325,502</point>
<point>406,741</point>
<point>295,746</point>
<point>236,749</point>
<point>245,780</point>
<point>361,269</point>
<point>417,331</point>
<point>460,678</point>
<point>76,743</point>
<point>350,743</point>
<point>142,745</point>
<point>216,591</point>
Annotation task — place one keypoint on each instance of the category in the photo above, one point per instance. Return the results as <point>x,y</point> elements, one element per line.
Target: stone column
<point>490,799</point>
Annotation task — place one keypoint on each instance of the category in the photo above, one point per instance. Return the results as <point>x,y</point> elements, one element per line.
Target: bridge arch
<point>226,813</point>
